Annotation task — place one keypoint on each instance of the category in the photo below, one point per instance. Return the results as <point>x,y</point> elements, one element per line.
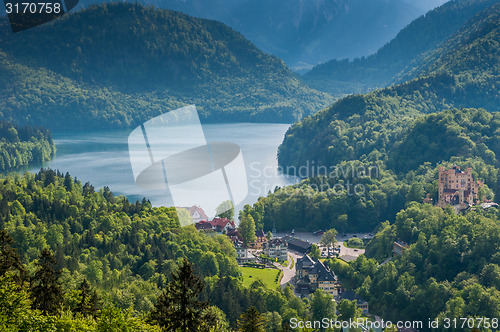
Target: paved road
<point>349,252</point>
<point>288,273</point>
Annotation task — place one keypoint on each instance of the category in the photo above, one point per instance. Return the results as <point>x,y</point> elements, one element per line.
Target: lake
<point>102,158</point>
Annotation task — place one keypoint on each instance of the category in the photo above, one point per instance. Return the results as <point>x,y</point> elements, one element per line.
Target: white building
<point>276,248</point>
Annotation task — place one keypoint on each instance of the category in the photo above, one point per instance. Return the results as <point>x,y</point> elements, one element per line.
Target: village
<point>300,256</point>
<point>290,254</point>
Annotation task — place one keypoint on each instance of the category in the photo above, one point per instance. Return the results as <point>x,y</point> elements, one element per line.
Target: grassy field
<point>268,276</point>
<point>340,260</point>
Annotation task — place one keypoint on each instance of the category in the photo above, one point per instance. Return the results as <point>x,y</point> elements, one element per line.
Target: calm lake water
<point>102,158</point>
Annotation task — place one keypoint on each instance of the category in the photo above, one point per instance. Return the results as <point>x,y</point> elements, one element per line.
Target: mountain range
<point>115,65</point>
<point>305,32</point>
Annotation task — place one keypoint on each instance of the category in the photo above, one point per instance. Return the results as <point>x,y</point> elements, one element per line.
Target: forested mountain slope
<point>358,126</point>
<point>116,65</point>
<point>406,53</point>
<point>21,146</point>
<point>450,270</point>
<point>304,33</point>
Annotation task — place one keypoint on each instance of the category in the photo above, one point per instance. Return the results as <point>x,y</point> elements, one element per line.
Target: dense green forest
<point>451,269</point>
<point>405,54</point>
<point>86,240</point>
<point>359,201</point>
<point>465,133</point>
<point>118,64</point>
<point>21,146</point>
<point>465,75</point>
<point>390,131</point>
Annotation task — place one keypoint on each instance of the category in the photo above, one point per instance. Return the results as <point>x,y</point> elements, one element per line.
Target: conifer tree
<point>251,321</point>
<point>90,301</point>
<point>68,182</point>
<point>178,307</point>
<point>9,258</point>
<point>46,291</point>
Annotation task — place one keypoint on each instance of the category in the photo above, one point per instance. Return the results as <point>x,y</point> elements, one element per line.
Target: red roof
<point>216,223</point>
<point>222,222</point>
<point>234,234</point>
<point>203,225</point>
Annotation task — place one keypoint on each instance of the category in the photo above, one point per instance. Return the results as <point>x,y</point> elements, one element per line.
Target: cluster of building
<point>311,274</point>
<point>275,249</point>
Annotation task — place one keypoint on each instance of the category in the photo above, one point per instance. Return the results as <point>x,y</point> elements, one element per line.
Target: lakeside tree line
<point>24,145</point>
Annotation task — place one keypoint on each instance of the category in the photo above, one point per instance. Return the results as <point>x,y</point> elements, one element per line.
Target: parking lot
<point>345,253</point>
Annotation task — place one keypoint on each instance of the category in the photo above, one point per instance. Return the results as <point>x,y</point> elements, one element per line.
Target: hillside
<point>367,126</point>
<point>405,54</point>
<point>22,146</point>
<point>363,190</point>
<point>450,269</point>
<point>116,65</point>
<point>433,138</point>
<point>304,33</point>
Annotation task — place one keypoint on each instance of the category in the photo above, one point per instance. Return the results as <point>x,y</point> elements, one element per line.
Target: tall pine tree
<point>251,321</point>
<point>178,307</point>
<point>46,291</point>
<point>90,302</point>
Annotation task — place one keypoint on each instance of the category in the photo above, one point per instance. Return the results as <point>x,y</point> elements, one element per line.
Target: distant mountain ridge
<point>116,65</point>
<point>305,32</point>
<point>401,58</point>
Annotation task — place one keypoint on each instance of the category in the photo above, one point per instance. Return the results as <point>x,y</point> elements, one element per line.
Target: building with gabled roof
<point>203,225</point>
<point>219,225</point>
<point>261,239</point>
<point>399,247</point>
<point>352,296</point>
<point>243,255</point>
<point>234,234</point>
<point>222,225</point>
<point>298,245</point>
<point>313,274</point>
<point>197,213</point>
